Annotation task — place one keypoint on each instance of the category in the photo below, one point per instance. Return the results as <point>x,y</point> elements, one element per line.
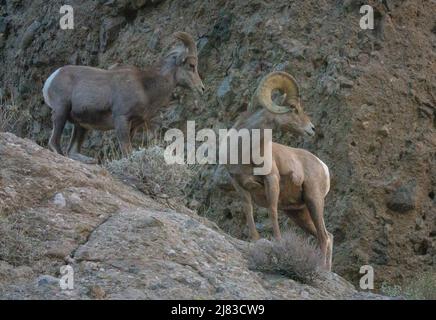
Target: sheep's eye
<point>292,107</point>
<point>192,66</point>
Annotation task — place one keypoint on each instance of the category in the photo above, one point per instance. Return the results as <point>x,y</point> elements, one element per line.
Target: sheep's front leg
<point>122,130</point>
<point>272,191</point>
<point>248,210</point>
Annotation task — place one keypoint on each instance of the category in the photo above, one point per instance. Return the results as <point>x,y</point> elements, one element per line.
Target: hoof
<point>327,267</point>
<point>55,149</point>
<point>82,158</point>
<point>255,238</point>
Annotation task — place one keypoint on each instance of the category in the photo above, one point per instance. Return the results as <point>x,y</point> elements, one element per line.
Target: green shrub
<point>423,287</point>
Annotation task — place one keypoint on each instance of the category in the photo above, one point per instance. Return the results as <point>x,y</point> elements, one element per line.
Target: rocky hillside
<point>371,94</point>
<point>120,243</point>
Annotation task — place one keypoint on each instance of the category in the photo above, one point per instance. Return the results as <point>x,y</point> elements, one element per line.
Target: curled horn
<point>188,41</point>
<point>281,81</point>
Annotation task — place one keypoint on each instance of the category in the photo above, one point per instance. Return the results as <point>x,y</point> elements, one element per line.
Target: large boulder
<point>120,243</point>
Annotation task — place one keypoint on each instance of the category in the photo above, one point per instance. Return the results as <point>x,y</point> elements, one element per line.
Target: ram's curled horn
<point>188,41</point>
<point>281,81</point>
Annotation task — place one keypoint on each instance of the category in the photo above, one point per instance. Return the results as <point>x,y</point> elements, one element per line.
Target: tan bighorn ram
<point>122,98</point>
<point>298,181</point>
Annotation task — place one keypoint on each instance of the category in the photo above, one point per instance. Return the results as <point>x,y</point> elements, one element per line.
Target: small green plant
<point>294,256</point>
<point>423,287</point>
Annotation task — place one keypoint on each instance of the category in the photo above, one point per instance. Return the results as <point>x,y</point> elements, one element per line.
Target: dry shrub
<point>148,166</point>
<point>294,256</point>
<point>9,114</point>
<point>108,148</point>
<point>13,118</point>
<point>423,287</point>
<point>16,247</point>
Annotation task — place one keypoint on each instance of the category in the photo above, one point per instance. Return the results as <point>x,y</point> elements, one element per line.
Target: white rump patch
<point>327,173</point>
<point>47,85</point>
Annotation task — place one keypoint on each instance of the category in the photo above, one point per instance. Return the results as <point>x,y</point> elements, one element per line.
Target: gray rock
<point>294,47</point>
<point>23,272</point>
<point>419,223</point>
<point>351,4</point>
<point>4,22</point>
<point>224,92</point>
<point>225,86</point>
<point>6,270</point>
<point>154,41</point>
<point>403,199</point>
<point>109,31</point>
<point>345,82</point>
<point>29,34</point>
<point>47,280</point>
<point>59,200</point>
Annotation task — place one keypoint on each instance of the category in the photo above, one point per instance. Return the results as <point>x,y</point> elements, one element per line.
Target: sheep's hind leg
<point>330,251</point>
<point>122,130</point>
<point>315,204</point>
<point>75,145</point>
<point>272,191</point>
<point>59,119</point>
<point>302,218</point>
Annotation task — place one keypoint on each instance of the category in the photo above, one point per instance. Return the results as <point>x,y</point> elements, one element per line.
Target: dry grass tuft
<point>148,166</point>
<point>294,256</point>
<point>9,114</point>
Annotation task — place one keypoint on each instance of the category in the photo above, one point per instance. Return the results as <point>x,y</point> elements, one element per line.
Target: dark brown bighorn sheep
<point>298,181</point>
<point>122,98</point>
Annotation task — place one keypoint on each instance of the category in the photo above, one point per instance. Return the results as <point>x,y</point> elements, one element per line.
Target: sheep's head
<point>187,72</point>
<point>289,115</point>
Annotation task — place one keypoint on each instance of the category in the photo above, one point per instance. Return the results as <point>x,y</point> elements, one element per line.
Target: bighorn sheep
<point>298,181</point>
<point>122,98</point>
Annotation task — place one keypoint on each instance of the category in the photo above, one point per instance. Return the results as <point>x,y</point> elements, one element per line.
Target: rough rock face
<point>120,243</point>
<point>370,94</point>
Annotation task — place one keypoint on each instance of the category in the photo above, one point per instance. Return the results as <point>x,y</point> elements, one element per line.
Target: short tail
<point>46,87</point>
